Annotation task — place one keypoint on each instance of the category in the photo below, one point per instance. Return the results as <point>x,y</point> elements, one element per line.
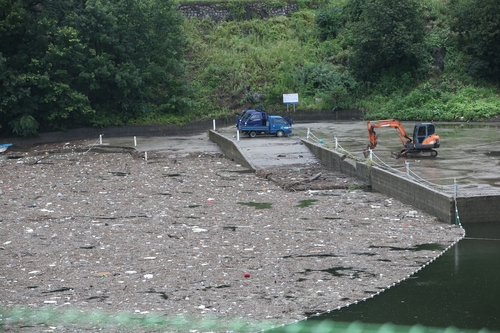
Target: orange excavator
<point>422,144</point>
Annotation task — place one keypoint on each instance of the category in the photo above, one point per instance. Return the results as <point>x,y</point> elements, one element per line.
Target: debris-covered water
<point>113,232</point>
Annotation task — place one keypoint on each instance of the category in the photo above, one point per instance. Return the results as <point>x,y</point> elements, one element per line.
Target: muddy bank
<point>113,232</point>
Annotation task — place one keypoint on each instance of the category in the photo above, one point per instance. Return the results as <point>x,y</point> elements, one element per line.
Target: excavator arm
<point>386,123</point>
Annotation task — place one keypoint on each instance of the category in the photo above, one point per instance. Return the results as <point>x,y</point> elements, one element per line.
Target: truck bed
<point>254,128</point>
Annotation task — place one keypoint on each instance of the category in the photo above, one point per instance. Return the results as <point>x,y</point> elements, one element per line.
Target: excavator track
<point>416,153</point>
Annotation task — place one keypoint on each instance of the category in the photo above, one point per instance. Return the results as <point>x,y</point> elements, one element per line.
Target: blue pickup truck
<point>276,125</point>
<point>255,117</point>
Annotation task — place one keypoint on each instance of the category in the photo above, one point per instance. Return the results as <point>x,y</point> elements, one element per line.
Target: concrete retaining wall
<point>230,149</point>
<point>409,192</point>
<point>479,209</point>
<point>338,161</point>
<point>324,115</point>
<point>92,133</point>
<point>471,209</point>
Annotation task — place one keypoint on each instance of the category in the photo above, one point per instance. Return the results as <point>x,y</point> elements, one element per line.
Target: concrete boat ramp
<point>263,152</point>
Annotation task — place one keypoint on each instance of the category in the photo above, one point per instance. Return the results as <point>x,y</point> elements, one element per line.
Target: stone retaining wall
<point>231,11</point>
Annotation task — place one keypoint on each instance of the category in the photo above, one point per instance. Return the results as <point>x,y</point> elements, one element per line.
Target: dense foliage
<point>410,59</point>
<point>387,36</point>
<point>113,62</point>
<point>478,24</point>
<point>66,64</point>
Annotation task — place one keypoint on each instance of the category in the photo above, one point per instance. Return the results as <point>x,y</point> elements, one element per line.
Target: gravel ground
<point>112,232</point>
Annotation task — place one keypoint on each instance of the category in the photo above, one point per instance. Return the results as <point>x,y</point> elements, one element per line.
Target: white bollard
<point>146,156</point>
<point>336,143</point>
<point>238,135</point>
<point>407,169</point>
<point>135,141</point>
<point>371,154</point>
<point>100,139</point>
<point>308,131</point>
<point>214,124</point>
<point>457,217</point>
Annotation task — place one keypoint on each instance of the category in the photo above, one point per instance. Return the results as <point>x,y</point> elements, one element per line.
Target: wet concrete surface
<point>269,151</point>
<point>172,146</point>
<point>469,153</point>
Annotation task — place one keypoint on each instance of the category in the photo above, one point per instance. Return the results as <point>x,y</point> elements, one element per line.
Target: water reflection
<point>461,289</point>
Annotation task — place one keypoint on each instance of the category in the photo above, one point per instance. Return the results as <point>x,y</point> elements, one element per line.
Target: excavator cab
<point>424,137</point>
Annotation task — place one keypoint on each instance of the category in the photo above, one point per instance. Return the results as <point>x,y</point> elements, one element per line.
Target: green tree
<point>478,25</point>
<point>95,62</point>
<point>35,91</point>
<point>323,79</point>
<point>387,36</point>
<point>137,58</point>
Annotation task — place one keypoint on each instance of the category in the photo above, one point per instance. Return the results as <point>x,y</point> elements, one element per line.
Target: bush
<point>330,20</point>
<point>24,126</point>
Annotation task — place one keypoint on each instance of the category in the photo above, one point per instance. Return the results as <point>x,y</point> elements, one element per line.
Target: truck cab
<point>252,117</point>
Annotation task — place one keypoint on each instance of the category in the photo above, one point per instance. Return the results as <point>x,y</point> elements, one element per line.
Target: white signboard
<point>290,98</point>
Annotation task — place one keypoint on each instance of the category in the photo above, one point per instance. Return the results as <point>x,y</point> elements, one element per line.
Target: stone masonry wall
<point>232,11</point>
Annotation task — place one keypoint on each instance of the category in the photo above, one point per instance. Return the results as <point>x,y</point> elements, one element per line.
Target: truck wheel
<point>252,134</point>
<point>279,134</point>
